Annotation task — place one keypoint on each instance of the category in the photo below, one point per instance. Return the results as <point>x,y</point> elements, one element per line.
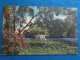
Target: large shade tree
<point>58,28</point>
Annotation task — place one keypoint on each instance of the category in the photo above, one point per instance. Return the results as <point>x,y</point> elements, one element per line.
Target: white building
<point>40,37</point>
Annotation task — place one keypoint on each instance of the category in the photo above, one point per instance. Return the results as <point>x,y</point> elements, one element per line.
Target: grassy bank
<point>48,47</point>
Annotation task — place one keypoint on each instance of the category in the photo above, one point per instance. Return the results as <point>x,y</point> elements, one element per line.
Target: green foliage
<point>49,47</point>
<point>58,28</point>
<point>37,30</point>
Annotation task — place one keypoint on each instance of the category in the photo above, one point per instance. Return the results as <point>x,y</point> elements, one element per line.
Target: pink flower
<point>24,46</point>
<point>16,47</point>
<point>20,42</point>
<point>21,46</point>
<point>4,36</point>
<point>11,40</point>
<point>5,45</point>
<point>9,32</point>
<point>3,32</point>
<point>18,37</point>
<point>11,48</point>
<point>23,38</point>
<point>27,45</point>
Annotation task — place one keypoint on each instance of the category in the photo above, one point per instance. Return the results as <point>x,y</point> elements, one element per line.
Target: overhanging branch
<point>31,20</point>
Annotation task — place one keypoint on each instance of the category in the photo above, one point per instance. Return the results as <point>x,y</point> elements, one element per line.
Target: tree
<point>34,30</point>
<point>58,27</point>
<point>72,15</point>
<point>19,15</point>
<point>31,20</point>
<point>7,11</point>
<point>13,18</point>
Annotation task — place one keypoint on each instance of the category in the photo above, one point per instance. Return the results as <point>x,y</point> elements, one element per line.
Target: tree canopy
<point>45,21</point>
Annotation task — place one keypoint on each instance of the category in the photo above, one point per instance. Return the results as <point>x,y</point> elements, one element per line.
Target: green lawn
<point>48,47</point>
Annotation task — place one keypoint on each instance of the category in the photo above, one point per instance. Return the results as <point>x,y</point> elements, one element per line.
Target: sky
<point>62,17</point>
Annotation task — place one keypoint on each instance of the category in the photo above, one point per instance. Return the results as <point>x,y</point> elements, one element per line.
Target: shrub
<point>12,42</point>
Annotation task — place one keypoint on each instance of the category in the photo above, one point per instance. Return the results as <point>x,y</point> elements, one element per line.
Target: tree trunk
<point>7,11</point>
<point>14,19</point>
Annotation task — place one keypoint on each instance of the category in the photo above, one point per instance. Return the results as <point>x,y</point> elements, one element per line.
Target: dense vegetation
<point>48,47</point>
